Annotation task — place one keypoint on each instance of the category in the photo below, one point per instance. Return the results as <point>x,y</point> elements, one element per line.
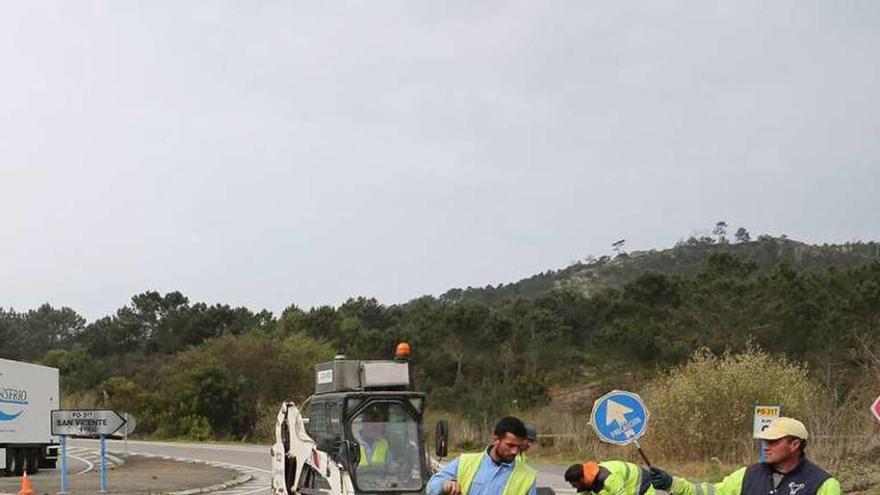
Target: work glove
<point>660,479</point>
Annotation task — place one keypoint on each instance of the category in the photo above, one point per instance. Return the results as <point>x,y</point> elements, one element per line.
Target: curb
<point>220,486</point>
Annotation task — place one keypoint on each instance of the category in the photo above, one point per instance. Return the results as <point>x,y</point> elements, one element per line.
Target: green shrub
<point>195,427</point>
<point>705,408</point>
<point>264,429</point>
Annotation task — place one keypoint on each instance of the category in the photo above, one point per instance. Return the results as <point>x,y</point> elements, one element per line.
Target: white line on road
<point>89,465</point>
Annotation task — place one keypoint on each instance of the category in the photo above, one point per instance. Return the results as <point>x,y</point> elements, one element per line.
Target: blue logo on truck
<point>14,397</point>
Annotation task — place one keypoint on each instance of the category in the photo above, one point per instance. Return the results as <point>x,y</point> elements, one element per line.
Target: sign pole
<point>642,453</point>
<point>89,423</point>
<point>103,465</point>
<point>63,464</point>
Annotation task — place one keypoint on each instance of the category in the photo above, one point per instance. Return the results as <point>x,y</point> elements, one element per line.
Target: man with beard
<point>491,472</point>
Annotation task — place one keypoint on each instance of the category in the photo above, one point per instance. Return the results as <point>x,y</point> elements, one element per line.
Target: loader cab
<point>365,415</point>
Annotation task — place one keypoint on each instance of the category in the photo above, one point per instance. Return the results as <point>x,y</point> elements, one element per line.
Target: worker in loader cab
<point>609,478</point>
<point>373,444</point>
<point>784,471</point>
<point>494,471</point>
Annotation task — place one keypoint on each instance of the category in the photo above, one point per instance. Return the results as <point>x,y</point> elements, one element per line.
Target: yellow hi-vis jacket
<point>625,478</point>
<point>519,483</point>
<point>380,453</point>
<point>740,483</point>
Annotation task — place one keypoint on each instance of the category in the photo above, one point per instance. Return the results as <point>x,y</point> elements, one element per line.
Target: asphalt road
<point>254,460</point>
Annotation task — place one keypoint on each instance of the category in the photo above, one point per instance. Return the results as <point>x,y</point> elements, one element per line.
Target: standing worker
<point>491,472</point>
<point>531,438</point>
<point>785,470</point>
<point>609,478</point>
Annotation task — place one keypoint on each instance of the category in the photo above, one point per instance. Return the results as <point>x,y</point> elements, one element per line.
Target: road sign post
<point>764,415</point>
<point>620,418</point>
<point>63,464</point>
<point>103,465</point>
<point>87,423</point>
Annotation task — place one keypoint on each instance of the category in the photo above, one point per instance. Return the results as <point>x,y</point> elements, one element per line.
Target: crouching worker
<point>610,478</point>
<point>785,470</point>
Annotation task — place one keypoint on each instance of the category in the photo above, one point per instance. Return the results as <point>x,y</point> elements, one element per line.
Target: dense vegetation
<point>190,369</point>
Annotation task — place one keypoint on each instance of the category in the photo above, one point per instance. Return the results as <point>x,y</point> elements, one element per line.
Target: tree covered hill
<point>593,274</point>
<point>215,371</point>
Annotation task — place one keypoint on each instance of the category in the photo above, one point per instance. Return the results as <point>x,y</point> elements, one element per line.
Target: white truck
<point>28,394</point>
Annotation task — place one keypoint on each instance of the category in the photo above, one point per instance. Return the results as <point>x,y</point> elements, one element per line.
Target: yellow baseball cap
<point>784,427</point>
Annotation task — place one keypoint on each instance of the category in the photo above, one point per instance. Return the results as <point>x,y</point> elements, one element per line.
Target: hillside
<point>476,351</point>
<point>685,258</point>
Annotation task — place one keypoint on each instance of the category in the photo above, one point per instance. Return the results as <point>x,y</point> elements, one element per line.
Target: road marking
<point>89,465</point>
<point>202,446</point>
<point>87,455</point>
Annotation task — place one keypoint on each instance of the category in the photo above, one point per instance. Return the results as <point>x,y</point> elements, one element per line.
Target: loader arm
<point>297,461</point>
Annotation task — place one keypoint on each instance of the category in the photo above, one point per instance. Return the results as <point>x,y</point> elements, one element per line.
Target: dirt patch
<point>575,398</point>
<point>139,475</point>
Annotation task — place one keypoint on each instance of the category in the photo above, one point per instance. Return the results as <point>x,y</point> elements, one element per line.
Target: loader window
<point>317,426</point>
<point>390,452</point>
<point>324,425</point>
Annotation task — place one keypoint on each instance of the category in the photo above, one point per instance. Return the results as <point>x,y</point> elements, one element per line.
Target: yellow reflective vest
<point>735,484</point>
<point>519,483</point>
<point>625,478</point>
<point>380,453</point>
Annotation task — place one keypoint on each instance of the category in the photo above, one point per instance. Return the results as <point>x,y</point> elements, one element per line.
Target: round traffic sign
<point>619,417</point>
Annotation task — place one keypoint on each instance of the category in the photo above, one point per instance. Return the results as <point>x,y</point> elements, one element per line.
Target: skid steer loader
<point>361,432</point>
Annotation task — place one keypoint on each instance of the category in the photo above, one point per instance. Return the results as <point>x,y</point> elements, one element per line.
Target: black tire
<point>15,461</point>
<point>48,463</point>
<point>32,460</point>
<point>289,474</point>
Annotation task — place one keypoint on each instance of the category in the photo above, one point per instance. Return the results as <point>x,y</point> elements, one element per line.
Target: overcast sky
<point>269,153</point>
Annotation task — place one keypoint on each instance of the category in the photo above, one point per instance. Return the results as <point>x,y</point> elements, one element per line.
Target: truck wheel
<point>32,460</point>
<point>15,461</point>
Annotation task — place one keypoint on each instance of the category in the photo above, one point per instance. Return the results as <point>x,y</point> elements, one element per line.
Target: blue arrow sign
<point>619,417</point>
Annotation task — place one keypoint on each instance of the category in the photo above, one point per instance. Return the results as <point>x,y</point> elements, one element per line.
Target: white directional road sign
<point>875,408</point>
<point>619,417</point>
<point>764,415</point>
<point>86,422</point>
